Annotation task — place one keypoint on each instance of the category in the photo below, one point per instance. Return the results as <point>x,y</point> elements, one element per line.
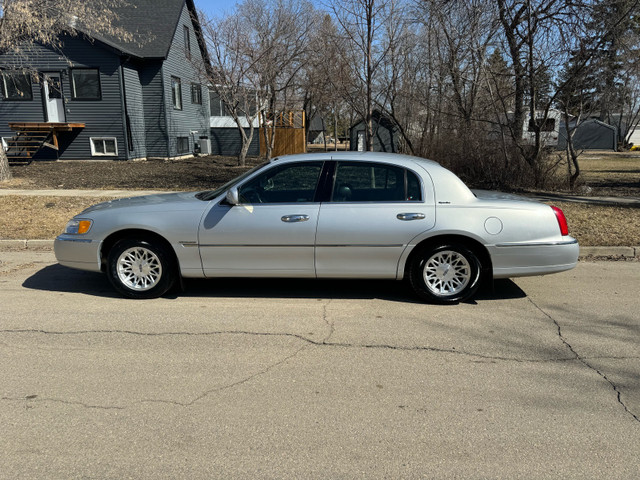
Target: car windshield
<point>211,194</point>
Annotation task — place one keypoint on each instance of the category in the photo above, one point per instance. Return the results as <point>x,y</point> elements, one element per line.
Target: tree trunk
<point>572,155</point>
<point>5,171</point>
<point>246,142</point>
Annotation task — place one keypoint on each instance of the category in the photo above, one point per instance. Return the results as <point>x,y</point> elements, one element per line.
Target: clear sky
<point>215,8</point>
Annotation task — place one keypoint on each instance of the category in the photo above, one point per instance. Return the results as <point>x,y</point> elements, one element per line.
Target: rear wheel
<point>446,274</point>
<point>140,269</point>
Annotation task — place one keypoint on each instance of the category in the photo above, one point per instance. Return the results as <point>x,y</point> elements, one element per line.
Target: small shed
<point>385,137</point>
<point>590,135</point>
<point>316,130</point>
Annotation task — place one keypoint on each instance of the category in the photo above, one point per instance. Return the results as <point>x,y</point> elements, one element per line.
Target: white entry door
<point>361,141</point>
<point>53,97</point>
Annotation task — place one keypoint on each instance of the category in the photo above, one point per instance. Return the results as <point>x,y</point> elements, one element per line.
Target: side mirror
<point>232,196</point>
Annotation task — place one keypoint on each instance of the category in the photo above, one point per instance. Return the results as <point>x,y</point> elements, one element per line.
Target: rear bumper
<point>526,259</point>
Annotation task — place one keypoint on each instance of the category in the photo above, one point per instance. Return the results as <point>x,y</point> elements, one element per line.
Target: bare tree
<point>324,64</point>
<point>462,33</point>
<point>233,75</point>
<point>46,22</point>
<point>281,31</point>
<point>362,26</point>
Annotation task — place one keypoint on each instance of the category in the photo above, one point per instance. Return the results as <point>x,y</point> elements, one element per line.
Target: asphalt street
<point>305,379</point>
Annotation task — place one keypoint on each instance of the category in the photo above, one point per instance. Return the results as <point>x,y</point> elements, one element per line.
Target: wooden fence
<point>290,133</point>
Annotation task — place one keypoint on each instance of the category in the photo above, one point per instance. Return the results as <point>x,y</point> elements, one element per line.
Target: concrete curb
<point>8,245</point>
<point>585,252</point>
<point>624,252</point>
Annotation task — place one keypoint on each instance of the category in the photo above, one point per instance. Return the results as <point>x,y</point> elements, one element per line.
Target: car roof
<point>395,158</point>
<point>450,184</point>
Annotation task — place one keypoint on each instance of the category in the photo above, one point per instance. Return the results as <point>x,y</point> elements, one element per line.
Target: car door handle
<point>410,216</point>
<point>295,218</point>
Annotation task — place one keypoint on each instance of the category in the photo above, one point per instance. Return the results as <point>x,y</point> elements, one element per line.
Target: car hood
<point>165,202</point>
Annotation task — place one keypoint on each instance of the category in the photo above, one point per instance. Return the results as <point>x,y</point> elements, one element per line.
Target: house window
<point>105,146</point>
<point>187,42</point>
<point>176,93</point>
<point>546,125</point>
<point>196,93</point>
<point>85,84</point>
<point>16,86</point>
<point>216,105</point>
<point>183,145</point>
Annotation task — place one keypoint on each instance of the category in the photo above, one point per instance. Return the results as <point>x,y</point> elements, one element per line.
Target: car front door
<point>271,232</point>
<point>375,210</point>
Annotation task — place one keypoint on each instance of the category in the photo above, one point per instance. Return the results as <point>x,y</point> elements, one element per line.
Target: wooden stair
<point>30,137</point>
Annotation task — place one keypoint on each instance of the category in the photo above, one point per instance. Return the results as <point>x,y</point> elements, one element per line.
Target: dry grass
<point>39,217</point>
<point>611,173</point>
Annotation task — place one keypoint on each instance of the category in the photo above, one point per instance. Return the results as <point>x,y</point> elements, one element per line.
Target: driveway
<point>304,379</point>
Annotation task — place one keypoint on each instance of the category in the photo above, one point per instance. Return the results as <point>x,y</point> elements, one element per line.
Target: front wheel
<point>445,274</point>
<point>140,269</point>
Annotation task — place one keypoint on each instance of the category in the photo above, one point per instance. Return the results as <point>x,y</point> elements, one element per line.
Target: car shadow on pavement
<point>388,290</point>
<point>56,278</point>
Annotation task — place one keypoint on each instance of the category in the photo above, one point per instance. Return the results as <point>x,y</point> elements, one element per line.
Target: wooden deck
<point>30,137</point>
<point>60,127</point>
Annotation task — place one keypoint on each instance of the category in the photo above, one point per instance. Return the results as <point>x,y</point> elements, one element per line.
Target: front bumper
<point>77,252</point>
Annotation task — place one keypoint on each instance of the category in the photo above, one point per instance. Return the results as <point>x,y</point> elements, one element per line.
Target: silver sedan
<point>329,215</point>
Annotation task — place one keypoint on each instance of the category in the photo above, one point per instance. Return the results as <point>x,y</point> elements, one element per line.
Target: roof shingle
<point>152,24</point>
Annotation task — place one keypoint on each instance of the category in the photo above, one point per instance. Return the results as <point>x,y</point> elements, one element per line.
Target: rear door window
<point>374,182</point>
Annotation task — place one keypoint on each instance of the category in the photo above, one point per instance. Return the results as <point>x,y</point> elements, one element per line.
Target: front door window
<point>287,184</point>
<point>54,100</point>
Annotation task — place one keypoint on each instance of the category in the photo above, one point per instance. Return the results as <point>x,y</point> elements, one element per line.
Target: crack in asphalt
<point>34,398</point>
<point>321,343</point>
<point>584,361</point>
<point>325,319</point>
<point>307,342</point>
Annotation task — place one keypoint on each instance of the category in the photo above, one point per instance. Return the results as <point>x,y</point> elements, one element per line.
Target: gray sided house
<point>385,138</point>
<point>225,136</point>
<point>105,98</point>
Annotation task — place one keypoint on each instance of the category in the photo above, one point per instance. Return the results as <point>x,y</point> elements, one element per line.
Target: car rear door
<point>374,211</point>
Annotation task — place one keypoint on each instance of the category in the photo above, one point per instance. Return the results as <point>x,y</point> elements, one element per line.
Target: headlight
<point>78,227</point>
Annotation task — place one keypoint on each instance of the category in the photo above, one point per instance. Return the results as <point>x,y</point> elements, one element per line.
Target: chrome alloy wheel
<point>446,273</point>
<point>139,268</point>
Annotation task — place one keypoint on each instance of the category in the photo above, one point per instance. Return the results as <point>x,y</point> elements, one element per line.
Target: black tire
<point>446,273</point>
<point>141,269</point>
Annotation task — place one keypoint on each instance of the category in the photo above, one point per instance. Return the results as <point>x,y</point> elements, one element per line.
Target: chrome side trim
<point>311,245</point>
<point>62,238</point>
<point>362,246</point>
<point>539,244</point>
<point>189,244</point>
<point>292,246</point>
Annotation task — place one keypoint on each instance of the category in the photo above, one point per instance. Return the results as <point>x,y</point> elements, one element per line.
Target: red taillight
<point>562,221</point>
